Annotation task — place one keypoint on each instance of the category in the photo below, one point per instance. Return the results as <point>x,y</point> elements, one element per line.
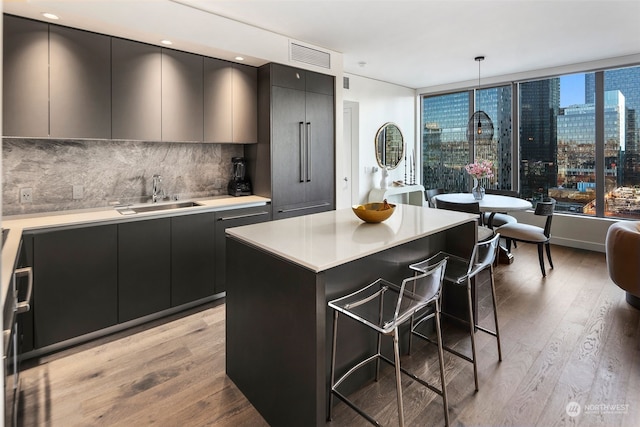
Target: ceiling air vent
<point>310,56</point>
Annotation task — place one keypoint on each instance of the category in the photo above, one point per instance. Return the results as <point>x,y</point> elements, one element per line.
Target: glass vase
<point>477,190</point>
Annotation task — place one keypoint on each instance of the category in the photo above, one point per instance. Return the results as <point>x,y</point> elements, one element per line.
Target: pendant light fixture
<point>480,126</point>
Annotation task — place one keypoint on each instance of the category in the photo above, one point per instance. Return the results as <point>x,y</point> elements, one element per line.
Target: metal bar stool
<point>383,306</point>
<point>460,271</point>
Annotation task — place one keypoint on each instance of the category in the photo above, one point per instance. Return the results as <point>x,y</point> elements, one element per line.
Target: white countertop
<point>328,239</point>
<point>19,223</point>
<point>109,214</point>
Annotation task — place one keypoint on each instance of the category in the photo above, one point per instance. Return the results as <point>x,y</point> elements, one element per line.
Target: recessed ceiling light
<point>167,42</point>
<point>50,15</point>
<point>239,58</point>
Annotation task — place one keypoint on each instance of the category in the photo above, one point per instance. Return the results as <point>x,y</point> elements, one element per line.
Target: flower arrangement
<point>480,169</point>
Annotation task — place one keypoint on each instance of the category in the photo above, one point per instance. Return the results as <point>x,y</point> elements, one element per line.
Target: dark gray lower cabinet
<point>193,255</point>
<point>144,268</point>
<point>25,320</point>
<point>75,282</point>
<point>96,276</point>
<point>228,219</point>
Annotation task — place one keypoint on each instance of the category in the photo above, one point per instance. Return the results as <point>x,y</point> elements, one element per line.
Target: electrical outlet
<point>78,192</point>
<point>25,195</point>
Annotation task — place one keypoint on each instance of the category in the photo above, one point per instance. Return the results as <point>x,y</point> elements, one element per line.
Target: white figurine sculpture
<point>383,180</point>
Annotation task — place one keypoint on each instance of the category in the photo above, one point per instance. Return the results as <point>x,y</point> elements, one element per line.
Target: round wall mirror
<point>389,146</point>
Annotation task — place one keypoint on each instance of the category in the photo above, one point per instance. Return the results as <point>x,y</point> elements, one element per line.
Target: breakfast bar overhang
<point>281,274</point>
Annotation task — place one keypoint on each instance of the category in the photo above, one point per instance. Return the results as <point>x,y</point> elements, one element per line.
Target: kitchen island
<point>281,275</point>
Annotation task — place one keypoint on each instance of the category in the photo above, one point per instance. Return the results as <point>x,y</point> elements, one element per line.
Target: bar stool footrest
<point>363,363</point>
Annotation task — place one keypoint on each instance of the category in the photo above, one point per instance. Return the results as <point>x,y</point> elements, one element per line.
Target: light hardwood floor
<point>568,338</point>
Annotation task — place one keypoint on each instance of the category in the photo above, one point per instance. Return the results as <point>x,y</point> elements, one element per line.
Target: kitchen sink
<point>128,210</point>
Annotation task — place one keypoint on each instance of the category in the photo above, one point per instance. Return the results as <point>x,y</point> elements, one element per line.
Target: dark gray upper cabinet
<point>293,163</point>
<point>136,70</point>
<point>245,104</point>
<point>67,83</point>
<point>80,83</point>
<point>182,96</point>
<point>230,102</point>
<point>25,78</point>
<point>218,99</point>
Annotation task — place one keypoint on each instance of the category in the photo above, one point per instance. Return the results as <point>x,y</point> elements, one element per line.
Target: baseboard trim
<point>578,244</point>
<point>115,328</point>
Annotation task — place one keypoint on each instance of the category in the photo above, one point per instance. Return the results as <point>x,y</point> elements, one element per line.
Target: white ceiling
<point>417,44</point>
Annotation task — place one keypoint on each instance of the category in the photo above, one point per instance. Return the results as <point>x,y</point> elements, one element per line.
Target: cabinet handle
<point>24,306</point>
<point>302,153</point>
<point>229,218</point>
<point>303,208</point>
<point>309,162</point>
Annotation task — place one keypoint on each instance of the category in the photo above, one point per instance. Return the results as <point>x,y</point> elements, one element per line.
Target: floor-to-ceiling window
<point>444,141</point>
<point>496,102</point>
<point>577,141</point>
<point>538,113</point>
<point>622,140</point>
<point>446,149</point>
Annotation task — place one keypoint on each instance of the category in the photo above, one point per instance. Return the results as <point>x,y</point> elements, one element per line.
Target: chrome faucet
<point>158,192</point>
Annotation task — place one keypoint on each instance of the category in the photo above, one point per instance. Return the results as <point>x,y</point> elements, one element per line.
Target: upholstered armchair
<point>623,258</point>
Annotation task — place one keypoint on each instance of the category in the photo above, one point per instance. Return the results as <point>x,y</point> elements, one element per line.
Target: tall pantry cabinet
<point>293,162</point>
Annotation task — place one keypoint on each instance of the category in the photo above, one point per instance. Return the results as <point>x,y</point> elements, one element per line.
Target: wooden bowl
<point>372,212</point>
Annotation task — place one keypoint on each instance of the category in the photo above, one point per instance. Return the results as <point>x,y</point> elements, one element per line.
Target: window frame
<point>599,98</point>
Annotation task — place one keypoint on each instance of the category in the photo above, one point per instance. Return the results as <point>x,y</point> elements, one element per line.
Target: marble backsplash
<point>109,172</point>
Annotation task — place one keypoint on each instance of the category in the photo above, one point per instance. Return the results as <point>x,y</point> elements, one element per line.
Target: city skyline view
<point>557,150</point>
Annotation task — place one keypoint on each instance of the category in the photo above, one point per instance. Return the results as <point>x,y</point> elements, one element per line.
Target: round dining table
<point>493,203</point>
<point>489,203</point>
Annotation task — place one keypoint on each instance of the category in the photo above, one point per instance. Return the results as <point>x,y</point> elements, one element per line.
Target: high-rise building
<point>577,137</point>
<point>446,149</point>
<point>496,102</point>
<point>539,109</point>
<point>627,81</point>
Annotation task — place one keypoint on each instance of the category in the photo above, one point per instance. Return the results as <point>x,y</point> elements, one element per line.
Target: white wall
<point>379,103</point>
<point>572,230</point>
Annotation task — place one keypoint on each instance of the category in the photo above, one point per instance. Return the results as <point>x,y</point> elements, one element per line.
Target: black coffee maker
<point>239,185</point>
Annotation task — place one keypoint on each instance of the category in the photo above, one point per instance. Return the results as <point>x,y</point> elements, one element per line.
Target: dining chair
<point>484,233</point>
<point>430,193</point>
<point>499,218</point>
<point>383,307</point>
<point>460,271</point>
<point>533,234</point>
